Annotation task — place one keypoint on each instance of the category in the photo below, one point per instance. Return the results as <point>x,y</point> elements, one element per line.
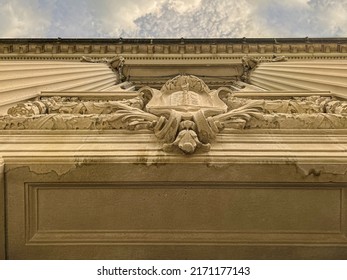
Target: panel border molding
<point>35,236</point>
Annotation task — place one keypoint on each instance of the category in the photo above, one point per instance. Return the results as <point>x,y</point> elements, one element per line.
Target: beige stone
<point>185,149</point>
<point>2,212</point>
<point>302,75</point>
<point>78,183</point>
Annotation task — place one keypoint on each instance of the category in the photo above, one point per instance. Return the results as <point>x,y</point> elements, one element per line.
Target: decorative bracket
<point>249,64</point>
<point>116,64</point>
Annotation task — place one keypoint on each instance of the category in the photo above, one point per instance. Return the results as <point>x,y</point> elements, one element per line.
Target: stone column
<point>327,75</point>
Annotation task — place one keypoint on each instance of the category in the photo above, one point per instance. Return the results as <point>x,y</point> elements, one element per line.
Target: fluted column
<point>330,75</point>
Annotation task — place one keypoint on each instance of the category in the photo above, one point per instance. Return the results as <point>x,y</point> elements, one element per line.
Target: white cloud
<point>173,18</point>
<point>248,18</point>
<point>301,18</point>
<point>18,19</point>
<point>113,17</point>
<point>328,17</point>
<point>208,18</point>
<point>183,6</point>
<point>98,18</point>
<point>71,18</point>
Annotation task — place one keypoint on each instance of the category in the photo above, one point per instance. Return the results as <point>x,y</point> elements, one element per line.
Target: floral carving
<point>68,105</point>
<point>185,114</point>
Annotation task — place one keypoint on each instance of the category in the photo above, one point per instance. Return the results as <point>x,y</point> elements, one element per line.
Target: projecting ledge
<point>272,193</point>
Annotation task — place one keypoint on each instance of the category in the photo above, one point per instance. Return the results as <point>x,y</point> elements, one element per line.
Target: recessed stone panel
<point>209,210</point>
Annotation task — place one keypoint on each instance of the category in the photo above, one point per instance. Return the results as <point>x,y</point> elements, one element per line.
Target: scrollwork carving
<point>115,63</point>
<point>295,105</point>
<point>68,105</point>
<point>298,121</point>
<point>249,63</point>
<point>185,115</point>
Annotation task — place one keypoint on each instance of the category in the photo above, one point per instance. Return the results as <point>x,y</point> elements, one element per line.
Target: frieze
<point>185,115</point>
<point>295,105</point>
<point>72,105</point>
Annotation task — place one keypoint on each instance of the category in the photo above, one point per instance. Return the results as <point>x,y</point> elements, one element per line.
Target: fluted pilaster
<point>328,75</point>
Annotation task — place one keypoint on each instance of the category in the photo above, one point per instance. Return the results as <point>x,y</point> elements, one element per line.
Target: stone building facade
<point>173,148</point>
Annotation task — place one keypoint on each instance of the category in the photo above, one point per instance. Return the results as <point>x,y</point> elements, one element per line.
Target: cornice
<point>177,40</point>
<point>173,49</point>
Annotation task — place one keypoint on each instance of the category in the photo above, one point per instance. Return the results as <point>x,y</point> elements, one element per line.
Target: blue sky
<point>172,18</point>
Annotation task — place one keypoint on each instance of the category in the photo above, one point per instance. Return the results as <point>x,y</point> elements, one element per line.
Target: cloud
<point>298,18</point>
<point>207,18</point>
<point>71,18</point>
<point>18,19</point>
<point>173,18</point>
<point>114,18</point>
<point>328,18</point>
<point>98,18</point>
<point>247,18</point>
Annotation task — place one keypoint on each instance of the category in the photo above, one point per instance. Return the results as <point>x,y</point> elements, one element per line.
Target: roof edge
<point>174,40</point>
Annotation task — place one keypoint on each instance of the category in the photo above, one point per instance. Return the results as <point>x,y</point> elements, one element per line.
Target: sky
<point>172,18</point>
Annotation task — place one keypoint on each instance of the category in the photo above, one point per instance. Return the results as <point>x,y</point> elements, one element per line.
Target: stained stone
<point>126,157</point>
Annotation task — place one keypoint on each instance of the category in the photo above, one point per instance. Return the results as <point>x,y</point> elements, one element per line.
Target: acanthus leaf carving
<point>67,105</point>
<point>185,114</point>
<point>238,117</point>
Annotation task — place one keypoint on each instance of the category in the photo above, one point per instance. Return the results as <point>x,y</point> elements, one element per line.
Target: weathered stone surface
<point>185,113</point>
<point>204,167</point>
<point>2,211</point>
<point>73,214</point>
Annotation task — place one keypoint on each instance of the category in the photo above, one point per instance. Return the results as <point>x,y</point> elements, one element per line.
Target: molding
<point>317,228</point>
<point>324,151</point>
<point>58,217</point>
<point>2,211</point>
<point>172,58</point>
<point>90,95</point>
<point>173,49</point>
<point>185,115</point>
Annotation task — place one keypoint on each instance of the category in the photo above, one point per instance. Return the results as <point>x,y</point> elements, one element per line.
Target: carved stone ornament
<point>116,64</point>
<point>185,114</point>
<point>249,63</point>
<point>188,112</point>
